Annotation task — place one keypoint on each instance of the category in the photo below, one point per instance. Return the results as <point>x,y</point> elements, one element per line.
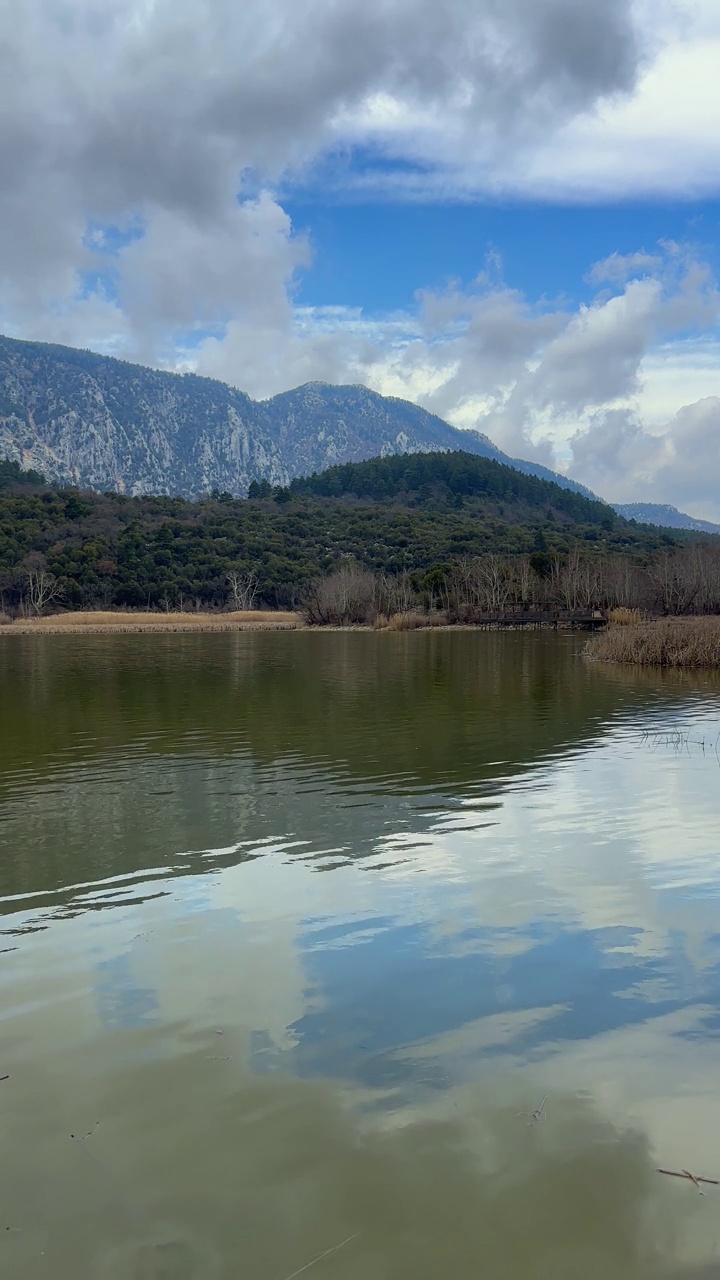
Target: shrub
<point>666,642</point>
<point>346,597</point>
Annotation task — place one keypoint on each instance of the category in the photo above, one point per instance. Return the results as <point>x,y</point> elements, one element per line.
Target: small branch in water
<point>320,1256</point>
<point>691,1177</point>
<point>80,1137</point>
<point>5,1077</point>
<point>537,1114</point>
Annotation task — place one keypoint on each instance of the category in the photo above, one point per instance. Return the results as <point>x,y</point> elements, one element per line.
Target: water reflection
<point>132,752</point>
<point>520,857</point>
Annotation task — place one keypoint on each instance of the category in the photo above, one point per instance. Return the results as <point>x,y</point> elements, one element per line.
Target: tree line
<point>454,543</point>
<point>683,580</point>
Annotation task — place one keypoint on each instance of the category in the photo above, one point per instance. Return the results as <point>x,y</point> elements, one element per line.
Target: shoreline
<point>48,627</point>
<point>114,623</point>
<point>146,630</point>
<point>680,643</point>
<point>122,622</point>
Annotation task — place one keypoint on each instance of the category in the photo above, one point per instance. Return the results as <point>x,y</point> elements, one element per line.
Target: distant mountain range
<point>660,514</point>
<point>104,424</point>
<point>100,423</point>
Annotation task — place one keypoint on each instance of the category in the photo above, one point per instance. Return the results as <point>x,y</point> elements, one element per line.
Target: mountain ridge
<point>663,515</point>
<point>104,423</point>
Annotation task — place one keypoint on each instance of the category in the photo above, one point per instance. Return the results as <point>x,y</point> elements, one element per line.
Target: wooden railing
<point>587,620</point>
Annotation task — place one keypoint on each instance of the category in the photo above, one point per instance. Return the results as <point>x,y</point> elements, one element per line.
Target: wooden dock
<point>559,619</point>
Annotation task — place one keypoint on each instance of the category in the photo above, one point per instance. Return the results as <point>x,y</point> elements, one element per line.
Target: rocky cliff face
<point>104,424</point>
<point>101,423</point>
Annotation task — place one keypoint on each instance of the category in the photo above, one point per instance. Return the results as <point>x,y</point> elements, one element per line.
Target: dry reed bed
<point>126,623</point>
<point>623,617</point>
<point>664,642</point>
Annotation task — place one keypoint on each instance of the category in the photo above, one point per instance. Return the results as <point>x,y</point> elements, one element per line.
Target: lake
<point>298,930</point>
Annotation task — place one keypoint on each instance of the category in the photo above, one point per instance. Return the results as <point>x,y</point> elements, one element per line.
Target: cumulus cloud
<point>177,278</point>
<point>566,387</point>
<point>143,147</point>
<point>533,375</point>
<point>150,120</point>
<point>675,462</point>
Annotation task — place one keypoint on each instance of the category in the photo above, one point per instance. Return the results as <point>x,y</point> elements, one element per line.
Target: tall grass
<point>665,642</point>
<point>98,620</point>
<point>410,620</point>
<point>622,617</point>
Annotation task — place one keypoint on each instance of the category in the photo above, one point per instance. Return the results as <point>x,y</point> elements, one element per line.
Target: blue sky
<point>373,255</point>
<point>509,215</point>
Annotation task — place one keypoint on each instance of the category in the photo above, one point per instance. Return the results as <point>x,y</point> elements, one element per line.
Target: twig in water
<point>320,1256</point>
<point>537,1114</point>
<point>691,1177</point>
<point>80,1137</point>
<point>5,1077</point>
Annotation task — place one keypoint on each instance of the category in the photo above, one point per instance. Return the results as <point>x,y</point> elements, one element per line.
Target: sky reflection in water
<point>415,888</point>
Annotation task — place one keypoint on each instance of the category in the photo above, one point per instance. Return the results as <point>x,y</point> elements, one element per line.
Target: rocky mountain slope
<point>666,516</point>
<point>102,423</point>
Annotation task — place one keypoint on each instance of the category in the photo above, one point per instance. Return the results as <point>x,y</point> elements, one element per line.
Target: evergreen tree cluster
<point>414,515</point>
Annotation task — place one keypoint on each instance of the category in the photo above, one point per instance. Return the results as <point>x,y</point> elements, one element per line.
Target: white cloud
<point>659,136</point>
<point>663,140</point>
<point>675,374</point>
<point>606,391</point>
<point>676,463</point>
<point>134,139</point>
<point>118,110</point>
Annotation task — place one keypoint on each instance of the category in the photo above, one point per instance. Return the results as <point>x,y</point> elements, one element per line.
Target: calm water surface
<point>294,927</point>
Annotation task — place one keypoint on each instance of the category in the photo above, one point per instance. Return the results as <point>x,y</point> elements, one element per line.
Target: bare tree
<point>624,584</point>
<point>525,579</point>
<point>677,581</point>
<point>42,588</point>
<point>705,567</point>
<point>483,583</point>
<point>401,594</point>
<point>569,580</point>
<point>348,595</point>
<point>590,594</point>
<point>243,589</point>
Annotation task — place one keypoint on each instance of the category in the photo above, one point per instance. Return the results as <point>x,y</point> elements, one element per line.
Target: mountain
<point>352,424</point>
<point>104,424</point>
<point>666,516</point>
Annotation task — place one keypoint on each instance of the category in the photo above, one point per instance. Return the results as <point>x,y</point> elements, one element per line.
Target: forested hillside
<point>455,479</point>
<point>415,516</point>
